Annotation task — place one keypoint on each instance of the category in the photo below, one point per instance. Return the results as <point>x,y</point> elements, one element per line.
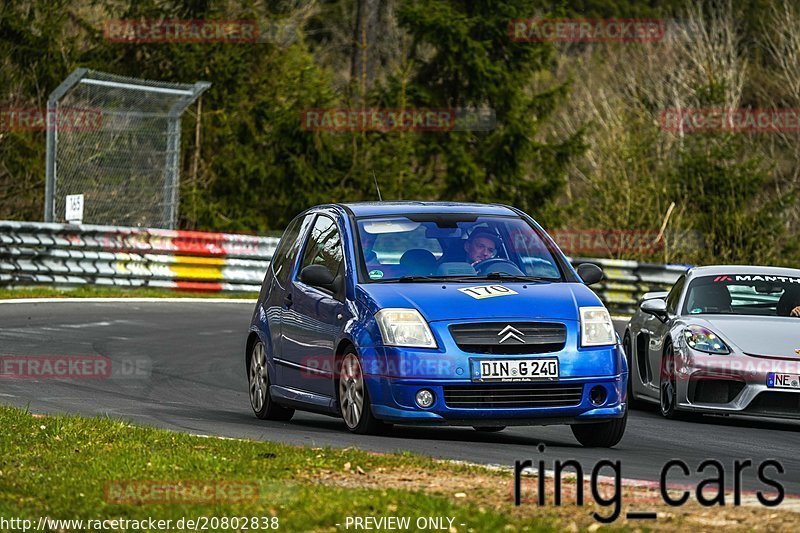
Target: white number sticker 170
<point>487,291</point>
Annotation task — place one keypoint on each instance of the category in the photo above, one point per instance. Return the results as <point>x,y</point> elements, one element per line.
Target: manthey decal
<point>487,291</point>
<point>752,277</point>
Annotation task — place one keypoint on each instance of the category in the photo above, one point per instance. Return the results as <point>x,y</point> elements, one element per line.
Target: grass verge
<point>65,467</point>
<point>76,468</point>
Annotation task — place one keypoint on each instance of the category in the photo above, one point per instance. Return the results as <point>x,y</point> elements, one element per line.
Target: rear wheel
<point>601,434</point>
<point>489,429</point>
<point>354,402</point>
<point>668,384</point>
<point>260,400</point>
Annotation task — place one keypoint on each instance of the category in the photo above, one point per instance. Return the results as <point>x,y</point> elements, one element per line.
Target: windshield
<point>743,295</point>
<point>453,246</point>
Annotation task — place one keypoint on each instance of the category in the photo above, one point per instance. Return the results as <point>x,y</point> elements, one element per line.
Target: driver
<point>481,245</point>
<point>789,304</point>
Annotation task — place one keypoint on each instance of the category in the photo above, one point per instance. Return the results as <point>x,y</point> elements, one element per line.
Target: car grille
<point>706,390</point>
<point>510,337</point>
<point>777,403</point>
<point>515,396</point>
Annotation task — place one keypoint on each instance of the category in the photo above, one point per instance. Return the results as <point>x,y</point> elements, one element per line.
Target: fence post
<point>52,139</point>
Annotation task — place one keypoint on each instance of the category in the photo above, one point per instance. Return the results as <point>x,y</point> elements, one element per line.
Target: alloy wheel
<point>351,391</point>
<point>259,382</point>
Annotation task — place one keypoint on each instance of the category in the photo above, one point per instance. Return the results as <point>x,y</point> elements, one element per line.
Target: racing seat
<point>418,262</point>
<point>453,251</point>
<point>370,256</point>
<point>712,299</point>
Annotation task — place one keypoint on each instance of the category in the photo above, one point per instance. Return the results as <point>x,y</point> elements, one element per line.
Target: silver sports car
<point>725,339</point>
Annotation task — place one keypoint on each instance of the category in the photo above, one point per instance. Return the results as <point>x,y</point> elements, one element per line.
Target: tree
<point>464,58</point>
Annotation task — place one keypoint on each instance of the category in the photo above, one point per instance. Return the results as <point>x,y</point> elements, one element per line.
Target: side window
<point>286,252</point>
<point>324,246</point>
<point>675,295</point>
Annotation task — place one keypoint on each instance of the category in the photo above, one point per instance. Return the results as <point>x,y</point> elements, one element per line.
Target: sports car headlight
<point>704,340</point>
<point>596,327</point>
<point>404,327</point>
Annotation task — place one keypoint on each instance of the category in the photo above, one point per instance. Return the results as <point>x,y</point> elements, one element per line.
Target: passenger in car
<point>789,304</point>
<point>711,299</point>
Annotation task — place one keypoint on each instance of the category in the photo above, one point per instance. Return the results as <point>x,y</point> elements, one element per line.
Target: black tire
<point>489,429</point>
<point>668,385</point>
<point>358,419</point>
<point>633,403</point>
<point>601,434</point>
<point>258,380</point>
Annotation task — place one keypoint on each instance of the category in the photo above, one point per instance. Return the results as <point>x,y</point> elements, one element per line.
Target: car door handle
<point>287,300</point>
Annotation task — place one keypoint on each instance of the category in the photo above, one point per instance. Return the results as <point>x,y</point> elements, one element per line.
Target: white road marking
<point>86,325</point>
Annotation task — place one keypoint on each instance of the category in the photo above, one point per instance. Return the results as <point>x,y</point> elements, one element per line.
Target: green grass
<point>114,292</point>
<point>60,467</point>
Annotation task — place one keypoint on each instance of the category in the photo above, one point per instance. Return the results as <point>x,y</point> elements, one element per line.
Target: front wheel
<point>668,385</point>
<point>354,401</point>
<point>601,434</point>
<point>260,400</point>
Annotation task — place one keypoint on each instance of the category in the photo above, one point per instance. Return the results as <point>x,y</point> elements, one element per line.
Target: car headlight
<point>704,340</point>
<point>404,327</point>
<point>596,327</point>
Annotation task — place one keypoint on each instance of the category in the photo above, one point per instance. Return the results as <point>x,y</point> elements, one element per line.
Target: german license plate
<point>515,369</point>
<point>783,381</point>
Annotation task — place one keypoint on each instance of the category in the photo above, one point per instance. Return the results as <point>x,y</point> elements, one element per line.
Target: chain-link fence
<point>116,141</point>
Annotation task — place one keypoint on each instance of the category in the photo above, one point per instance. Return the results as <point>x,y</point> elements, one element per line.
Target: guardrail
<point>67,255</point>
<point>626,281</point>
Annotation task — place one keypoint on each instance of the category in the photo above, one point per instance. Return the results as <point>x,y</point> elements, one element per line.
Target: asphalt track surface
<point>191,377</point>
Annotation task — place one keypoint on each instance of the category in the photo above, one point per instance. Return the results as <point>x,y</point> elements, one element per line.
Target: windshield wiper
<point>438,279</point>
<point>515,277</point>
<point>492,276</point>
<point>412,279</point>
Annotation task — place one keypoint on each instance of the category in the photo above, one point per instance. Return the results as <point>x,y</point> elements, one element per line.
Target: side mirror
<point>590,273</point>
<point>655,294</point>
<point>317,276</point>
<point>656,307</point>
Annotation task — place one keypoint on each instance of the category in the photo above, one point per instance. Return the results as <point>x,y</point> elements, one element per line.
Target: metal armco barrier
<point>68,255</point>
<point>626,281</point>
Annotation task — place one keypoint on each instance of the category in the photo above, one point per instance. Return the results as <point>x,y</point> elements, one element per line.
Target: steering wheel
<point>483,267</point>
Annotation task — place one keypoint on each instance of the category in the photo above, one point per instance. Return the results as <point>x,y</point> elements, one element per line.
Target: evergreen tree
<point>465,58</point>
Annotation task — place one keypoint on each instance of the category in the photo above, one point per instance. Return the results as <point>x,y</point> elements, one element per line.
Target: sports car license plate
<point>783,381</point>
<point>515,370</point>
